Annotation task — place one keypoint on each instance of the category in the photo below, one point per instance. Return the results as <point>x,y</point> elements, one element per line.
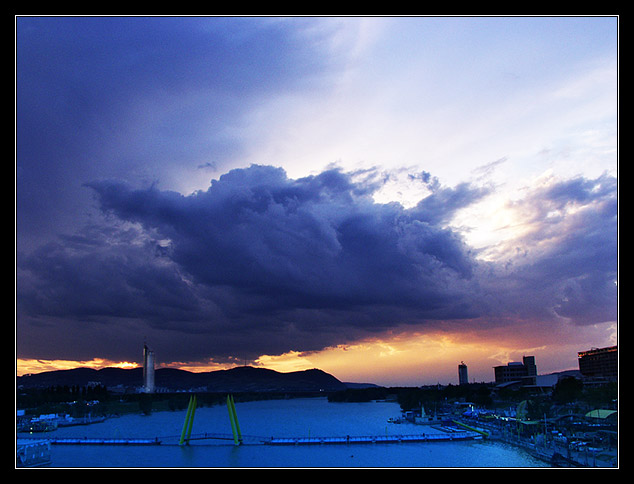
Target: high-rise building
<point>148,370</point>
<point>525,372</point>
<point>599,363</point>
<point>463,376</point>
<point>531,367</point>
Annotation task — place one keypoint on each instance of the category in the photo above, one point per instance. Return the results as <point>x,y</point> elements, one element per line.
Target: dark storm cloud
<point>319,241</point>
<point>258,262</point>
<point>263,264</point>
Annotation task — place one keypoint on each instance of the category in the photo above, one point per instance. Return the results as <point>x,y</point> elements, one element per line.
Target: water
<point>310,417</point>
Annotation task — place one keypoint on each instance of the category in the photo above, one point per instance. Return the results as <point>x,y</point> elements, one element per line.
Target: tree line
<point>568,391</point>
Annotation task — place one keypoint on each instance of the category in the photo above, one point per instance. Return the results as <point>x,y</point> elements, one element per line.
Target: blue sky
<point>289,191</point>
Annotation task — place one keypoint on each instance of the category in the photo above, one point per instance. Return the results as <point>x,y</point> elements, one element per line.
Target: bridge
<point>259,440</point>
<point>162,440</point>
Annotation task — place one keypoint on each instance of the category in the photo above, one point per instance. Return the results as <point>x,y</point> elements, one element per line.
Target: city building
<point>463,376</point>
<point>525,372</point>
<point>148,370</point>
<point>599,363</point>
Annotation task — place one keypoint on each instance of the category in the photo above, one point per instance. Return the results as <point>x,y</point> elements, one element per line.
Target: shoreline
<point>560,455</point>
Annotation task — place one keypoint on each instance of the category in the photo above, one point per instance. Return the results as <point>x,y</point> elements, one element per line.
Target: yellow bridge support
<point>235,426</point>
<point>189,421</point>
<point>473,429</point>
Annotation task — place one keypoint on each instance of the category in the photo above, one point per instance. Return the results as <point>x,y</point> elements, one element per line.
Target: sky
<point>378,197</point>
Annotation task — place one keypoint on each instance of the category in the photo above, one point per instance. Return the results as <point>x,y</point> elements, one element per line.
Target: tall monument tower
<point>148,369</point>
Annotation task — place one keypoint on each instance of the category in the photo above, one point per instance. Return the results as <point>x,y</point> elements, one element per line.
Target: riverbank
<point>556,453</point>
<point>564,456</point>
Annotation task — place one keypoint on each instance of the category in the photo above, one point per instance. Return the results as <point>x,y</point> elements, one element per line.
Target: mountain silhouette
<point>239,379</point>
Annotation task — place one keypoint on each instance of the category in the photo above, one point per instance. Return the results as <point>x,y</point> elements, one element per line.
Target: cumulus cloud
<point>319,241</point>
<point>567,256</point>
<point>263,264</point>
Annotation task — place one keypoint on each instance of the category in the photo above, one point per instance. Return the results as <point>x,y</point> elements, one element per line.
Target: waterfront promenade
<point>556,452</point>
<point>563,455</point>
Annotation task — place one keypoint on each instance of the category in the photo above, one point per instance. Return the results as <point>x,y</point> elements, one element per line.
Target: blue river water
<point>307,417</point>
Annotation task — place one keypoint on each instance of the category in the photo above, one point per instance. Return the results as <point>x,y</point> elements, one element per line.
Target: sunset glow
<point>26,366</point>
<point>407,359</point>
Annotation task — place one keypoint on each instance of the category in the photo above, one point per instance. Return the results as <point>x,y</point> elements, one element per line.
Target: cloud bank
<point>260,263</point>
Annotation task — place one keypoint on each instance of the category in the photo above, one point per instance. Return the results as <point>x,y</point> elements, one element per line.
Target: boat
<point>48,423</point>
<point>32,453</point>
<point>68,421</point>
<point>38,425</point>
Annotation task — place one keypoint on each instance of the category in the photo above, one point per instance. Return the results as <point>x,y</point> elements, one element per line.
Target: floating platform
<point>86,441</point>
<point>348,439</point>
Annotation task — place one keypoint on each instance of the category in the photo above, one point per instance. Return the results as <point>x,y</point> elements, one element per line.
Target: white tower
<point>148,370</point>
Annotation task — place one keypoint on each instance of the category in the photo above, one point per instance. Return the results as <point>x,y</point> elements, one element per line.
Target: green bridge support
<point>235,426</point>
<point>189,421</point>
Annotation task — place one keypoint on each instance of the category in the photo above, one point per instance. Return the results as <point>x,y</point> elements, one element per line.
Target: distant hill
<point>240,379</point>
